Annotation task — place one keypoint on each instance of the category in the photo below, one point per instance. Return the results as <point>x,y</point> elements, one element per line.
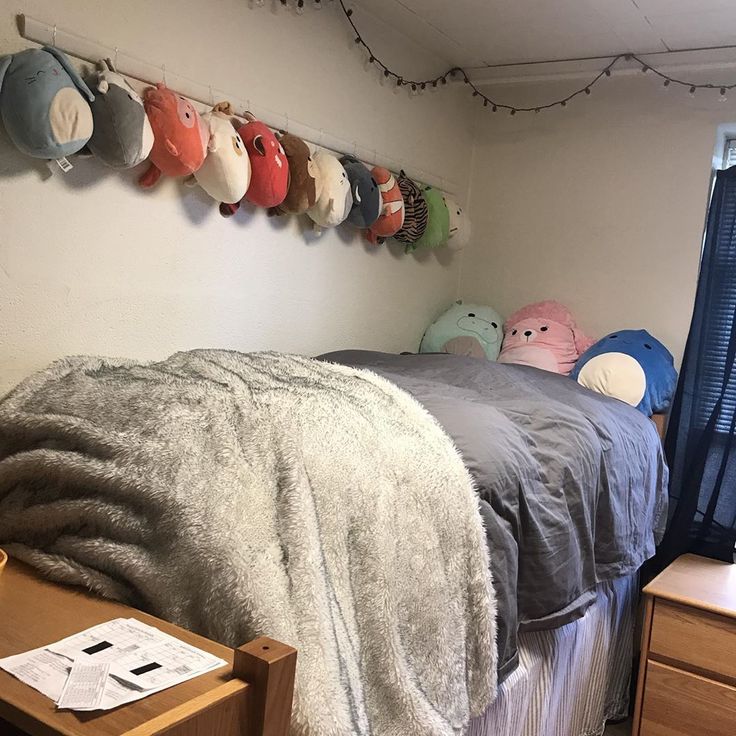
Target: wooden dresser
<point>249,697</point>
<point>687,675</point>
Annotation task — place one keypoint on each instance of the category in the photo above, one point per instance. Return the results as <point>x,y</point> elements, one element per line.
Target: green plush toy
<point>465,329</point>
<point>437,232</point>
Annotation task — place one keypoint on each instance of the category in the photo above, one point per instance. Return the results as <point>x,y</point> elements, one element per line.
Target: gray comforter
<point>572,484</point>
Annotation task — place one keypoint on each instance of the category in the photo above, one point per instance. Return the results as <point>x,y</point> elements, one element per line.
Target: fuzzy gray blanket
<point>247,494</point>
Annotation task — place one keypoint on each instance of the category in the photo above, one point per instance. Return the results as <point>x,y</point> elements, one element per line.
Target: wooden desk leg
<point>646,632</point>
<point>269,667</point>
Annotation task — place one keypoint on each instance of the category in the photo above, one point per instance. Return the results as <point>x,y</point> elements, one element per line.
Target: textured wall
<point>89,264</point>
<point>600,205</point>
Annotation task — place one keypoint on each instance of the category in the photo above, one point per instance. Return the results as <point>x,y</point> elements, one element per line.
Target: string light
<point>420,84</point>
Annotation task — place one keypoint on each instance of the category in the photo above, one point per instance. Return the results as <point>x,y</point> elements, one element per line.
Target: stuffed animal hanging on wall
<point>122,135</point>
<point>44,103</point>
<point>304,181</point>
<point>392,210</point>
<point>543,335</point>
<point>335,199</point>
<point>179,135</point>
<point>632,366</point>
<point>415,211</point>
<point>472,330</point>
<point>225,173</point>
<point>459,225</point>
<point>437,231</point>
<point>366,195</point>
<point>269,180</point>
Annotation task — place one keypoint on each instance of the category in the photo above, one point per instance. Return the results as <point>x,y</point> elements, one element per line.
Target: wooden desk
<point>687,675</point>
<point>250,697</point>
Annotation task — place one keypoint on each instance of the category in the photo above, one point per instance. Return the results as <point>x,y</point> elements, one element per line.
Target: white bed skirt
<point>570,680</point>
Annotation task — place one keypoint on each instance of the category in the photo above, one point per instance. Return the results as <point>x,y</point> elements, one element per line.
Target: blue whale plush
<point>44,104</point>
<point>632,366</point>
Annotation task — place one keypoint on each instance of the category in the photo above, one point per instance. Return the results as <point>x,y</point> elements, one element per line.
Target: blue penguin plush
<point>472,330</point>
<point>366,195</point>
<point>632,366</point>
<point>44,104</point>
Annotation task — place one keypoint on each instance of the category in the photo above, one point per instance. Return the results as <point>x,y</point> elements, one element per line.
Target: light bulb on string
<point>398,85</point>
<point>723,97</point>
<point>692,91</point>
<point>318,4</point>
<point>299,7</point>
<point>666,85</point>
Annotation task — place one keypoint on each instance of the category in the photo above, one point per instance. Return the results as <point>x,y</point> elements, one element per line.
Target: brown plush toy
<point>304,184</point>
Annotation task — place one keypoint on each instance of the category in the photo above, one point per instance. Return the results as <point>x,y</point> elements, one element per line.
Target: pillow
<point>543,335</point>
<point>122,136</point>
<point>392,211</point>
<point>632,366</point>
<point>459,225</point>
<point>335,199</point>
<point>366,195</point>
<point>415,211</point>
<point>304,183</point>
<point>225,173</point>
<point>437,231</point>
<point>473,330</point>
<point>179,135</point>
<point>269,178</point>
<point>44,103</point>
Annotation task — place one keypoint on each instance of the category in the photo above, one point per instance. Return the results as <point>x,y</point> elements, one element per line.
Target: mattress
<point>572,485</point>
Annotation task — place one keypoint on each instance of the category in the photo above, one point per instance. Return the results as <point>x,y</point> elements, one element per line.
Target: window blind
<point>716,379</point>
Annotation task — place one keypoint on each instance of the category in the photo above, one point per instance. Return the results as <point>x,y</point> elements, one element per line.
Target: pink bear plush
<point>543,335</point>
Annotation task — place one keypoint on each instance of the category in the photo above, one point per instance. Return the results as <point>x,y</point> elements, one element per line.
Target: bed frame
<point>251,697</point>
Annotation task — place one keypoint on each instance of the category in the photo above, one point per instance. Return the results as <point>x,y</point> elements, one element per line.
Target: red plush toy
<point>392,212</point>
<point>269,180</point>
<point>179,135</point>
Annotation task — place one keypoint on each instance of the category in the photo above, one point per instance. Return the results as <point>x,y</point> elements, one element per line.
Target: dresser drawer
<point>697,639</point>
<point>677,703</point>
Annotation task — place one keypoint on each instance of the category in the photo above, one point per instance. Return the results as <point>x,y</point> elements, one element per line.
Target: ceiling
<point>474,33</point>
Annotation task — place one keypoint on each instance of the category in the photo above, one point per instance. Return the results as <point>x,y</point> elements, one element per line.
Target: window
<point>729,154</point>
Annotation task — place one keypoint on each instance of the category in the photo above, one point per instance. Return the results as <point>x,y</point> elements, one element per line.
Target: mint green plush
<point>437,232</point>
<point>465,329</point>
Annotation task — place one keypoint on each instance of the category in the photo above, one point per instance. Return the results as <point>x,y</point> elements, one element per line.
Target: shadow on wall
<point>198,208</point>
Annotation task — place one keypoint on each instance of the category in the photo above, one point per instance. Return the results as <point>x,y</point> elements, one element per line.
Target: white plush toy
<point>225,173</point>
<point>459,225</point>
<point>335,200</point>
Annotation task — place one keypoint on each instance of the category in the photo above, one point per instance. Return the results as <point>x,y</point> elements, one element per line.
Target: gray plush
<point>122,136</point>
<point>241,494</point>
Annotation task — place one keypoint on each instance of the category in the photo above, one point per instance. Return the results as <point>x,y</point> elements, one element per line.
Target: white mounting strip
<point>673,63</point>
<point>146,72</point>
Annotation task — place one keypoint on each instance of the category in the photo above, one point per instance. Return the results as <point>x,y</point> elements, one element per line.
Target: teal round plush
<point>465,329</point>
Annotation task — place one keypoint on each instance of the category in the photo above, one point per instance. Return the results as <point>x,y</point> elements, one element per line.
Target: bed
<point>571,488</point>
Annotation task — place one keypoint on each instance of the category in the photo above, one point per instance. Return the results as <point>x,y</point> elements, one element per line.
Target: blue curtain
<point>701,443</point>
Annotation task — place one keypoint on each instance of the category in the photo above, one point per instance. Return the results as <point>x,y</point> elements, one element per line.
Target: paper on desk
<point>47,671</point>
<point>85,686</point>
<point>138,654</point>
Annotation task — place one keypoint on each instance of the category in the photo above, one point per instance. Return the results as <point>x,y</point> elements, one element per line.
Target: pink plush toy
<point>543,335</point>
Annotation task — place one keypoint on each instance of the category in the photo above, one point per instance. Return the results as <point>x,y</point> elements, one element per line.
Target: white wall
<point>89,264</point>
<point>600,205</point>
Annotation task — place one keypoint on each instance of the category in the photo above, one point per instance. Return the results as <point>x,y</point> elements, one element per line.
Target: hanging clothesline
<point>145,72</point>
